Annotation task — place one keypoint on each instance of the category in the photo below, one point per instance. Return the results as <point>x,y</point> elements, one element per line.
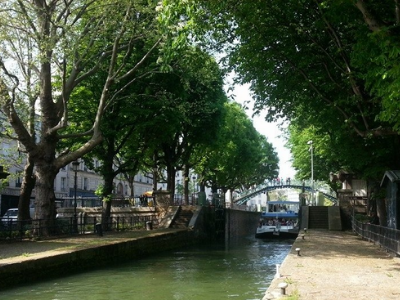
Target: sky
<point>269,130</point>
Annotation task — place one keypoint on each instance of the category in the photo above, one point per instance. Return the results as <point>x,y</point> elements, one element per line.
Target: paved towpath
<point>336,265</point>
<point>16,251</point>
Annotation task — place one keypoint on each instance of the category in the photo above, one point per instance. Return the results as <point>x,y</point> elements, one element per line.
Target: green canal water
<point>240,271</point>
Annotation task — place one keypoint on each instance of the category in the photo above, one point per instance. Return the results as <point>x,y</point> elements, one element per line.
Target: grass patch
<point>289,280</point>
<point>293,296</point>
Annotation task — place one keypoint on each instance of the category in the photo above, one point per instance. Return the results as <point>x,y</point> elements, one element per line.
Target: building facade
<point>87,181</point>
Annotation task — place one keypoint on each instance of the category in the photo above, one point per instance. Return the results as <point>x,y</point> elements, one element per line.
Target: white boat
<point>280,221</point>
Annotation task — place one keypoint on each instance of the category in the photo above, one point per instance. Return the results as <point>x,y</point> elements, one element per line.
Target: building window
<point>63,184</point>
<point>120,189</point>
<point>85,183</point>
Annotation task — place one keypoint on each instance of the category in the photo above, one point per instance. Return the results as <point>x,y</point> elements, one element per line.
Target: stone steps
<point>318,217</point>
<point>182,218</point>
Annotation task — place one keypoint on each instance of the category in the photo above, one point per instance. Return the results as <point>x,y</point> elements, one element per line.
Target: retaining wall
<point>240,223</point>
<point>57,264</point>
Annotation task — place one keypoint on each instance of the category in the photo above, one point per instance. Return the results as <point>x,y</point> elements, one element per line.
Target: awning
<point>148,193</point>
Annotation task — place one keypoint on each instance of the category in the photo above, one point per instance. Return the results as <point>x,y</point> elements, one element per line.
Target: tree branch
<point>7,103</point>
<point>373,24</point>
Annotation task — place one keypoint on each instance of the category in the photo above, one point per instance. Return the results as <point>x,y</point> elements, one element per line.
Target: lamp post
<point>312,171</point>
<point>194,189</point>
<point>194,183</point>
<point>75,166</point>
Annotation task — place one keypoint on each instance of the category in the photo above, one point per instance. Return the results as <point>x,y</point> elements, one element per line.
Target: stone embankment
<point>331,265</point>
<point>28,261</point>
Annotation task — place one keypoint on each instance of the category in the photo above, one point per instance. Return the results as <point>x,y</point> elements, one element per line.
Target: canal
<point>240,270</point>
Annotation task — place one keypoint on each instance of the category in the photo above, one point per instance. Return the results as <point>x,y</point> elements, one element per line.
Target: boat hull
<point>276,231</point>
<point>291,234</point>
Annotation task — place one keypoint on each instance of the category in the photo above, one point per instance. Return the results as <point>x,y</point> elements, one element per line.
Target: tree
<point>122,147</point>
<point>241,156</point>
<point>69,41</point>
<point>377,54</point>
<point>309,63</point>
<point>27,112</point>
<point>191,98</point>
<point>184,102</point>
<point>125,137</point>
<point>339,150</point>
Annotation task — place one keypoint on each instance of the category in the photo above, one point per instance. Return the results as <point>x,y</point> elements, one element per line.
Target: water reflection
<point>237,271</point>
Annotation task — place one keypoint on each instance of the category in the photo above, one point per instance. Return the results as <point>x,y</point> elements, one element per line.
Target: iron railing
<point>14,230</point>
<point>385,237</point>
<point>124,202</point>
<point>318,186</point>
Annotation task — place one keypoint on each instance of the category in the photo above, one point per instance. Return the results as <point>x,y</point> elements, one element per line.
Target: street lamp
<point>194,189</point>
<point>312,171</point>
<point>75,166</point>
<point>194,183</point>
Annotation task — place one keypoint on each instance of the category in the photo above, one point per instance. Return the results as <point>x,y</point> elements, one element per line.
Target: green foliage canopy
<point>329,65</point>
<point>241,156</point>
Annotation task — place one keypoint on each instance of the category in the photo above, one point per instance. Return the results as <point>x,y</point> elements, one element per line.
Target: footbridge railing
<point>243,197</point>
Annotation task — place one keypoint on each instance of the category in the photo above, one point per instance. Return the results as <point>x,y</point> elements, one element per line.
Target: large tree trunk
<point>28,183</point>
<point>214,191</point>
<point>186,184</point>
<point>45,197</point>
<point>107,194</point>
<point>131,185</point>
<point>106,214</point>
<point>155,171</point>
<point>171,173</point>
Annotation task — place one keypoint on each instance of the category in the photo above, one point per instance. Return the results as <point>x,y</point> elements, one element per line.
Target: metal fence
<point>14,230</point>
<point>138,201</point>
<point>97,202</point>
<point>385,237</point>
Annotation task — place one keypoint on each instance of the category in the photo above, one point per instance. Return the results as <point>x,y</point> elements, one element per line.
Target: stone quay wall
<point>240,223</point>
<point>60,263</point>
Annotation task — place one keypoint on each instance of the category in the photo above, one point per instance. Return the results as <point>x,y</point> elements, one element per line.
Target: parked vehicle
<point>10,217</point>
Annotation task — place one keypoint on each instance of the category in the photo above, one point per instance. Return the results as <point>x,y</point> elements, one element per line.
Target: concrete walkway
<point>335,265</point>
